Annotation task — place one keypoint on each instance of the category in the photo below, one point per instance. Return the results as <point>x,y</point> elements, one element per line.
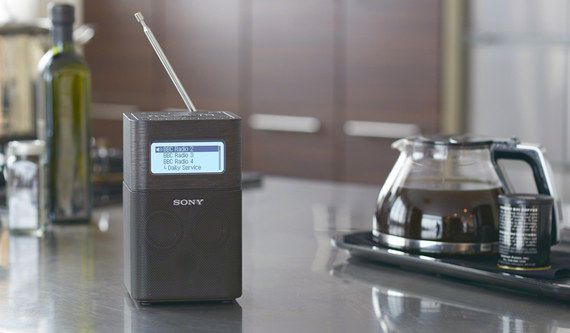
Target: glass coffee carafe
<point>441,196</point>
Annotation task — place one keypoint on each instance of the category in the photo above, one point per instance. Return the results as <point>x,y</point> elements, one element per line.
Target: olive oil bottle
<point>64,121</point>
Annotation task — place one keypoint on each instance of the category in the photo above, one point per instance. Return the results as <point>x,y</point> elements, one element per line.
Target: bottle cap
<point>32,147</point>
<point>62,13</point>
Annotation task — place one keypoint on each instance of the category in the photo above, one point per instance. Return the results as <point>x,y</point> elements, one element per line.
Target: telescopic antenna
<point>165,63</point>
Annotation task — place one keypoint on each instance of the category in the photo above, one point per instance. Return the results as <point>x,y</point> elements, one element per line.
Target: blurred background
<point>325,86</point>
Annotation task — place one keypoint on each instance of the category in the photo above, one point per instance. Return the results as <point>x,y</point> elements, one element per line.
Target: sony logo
<point>188,202</point>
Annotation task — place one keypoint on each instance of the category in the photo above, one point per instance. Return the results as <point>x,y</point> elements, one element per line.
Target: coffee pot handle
<point>533,155</point>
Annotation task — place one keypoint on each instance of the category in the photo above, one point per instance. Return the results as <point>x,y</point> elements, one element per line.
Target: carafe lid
<point>463,140</point>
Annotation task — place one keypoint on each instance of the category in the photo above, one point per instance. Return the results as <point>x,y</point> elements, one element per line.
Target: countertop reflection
<point>414,302</point>
<point>294,280</point>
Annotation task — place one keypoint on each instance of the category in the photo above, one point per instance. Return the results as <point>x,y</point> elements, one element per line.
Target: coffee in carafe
<point>467,216</point>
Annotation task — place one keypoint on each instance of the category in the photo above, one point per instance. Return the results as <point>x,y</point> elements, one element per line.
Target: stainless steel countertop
<point>294,280</point>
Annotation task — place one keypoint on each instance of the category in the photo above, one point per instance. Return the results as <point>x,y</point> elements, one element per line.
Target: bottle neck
<point>62,38</point>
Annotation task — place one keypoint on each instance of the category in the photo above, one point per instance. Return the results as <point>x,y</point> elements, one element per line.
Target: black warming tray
<point>554,284</point>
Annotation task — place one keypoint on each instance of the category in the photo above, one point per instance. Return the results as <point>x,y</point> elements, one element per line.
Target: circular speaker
<point>212,231</point>
<point>163,229</point>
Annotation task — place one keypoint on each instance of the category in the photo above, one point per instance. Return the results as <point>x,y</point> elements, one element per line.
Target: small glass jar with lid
<point>25,174</point>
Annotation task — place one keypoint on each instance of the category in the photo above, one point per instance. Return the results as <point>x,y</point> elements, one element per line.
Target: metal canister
<point>525,222</point>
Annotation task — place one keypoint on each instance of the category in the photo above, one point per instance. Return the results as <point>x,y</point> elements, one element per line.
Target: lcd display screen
<point>187,157</point>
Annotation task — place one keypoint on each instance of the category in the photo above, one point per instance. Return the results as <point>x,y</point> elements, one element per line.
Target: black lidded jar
<point>525,224</point>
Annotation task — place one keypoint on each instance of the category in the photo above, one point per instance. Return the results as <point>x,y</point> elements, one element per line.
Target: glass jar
<point>25,175</point>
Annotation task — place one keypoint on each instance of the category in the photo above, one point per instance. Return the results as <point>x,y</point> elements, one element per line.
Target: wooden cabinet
<point>119,55</point>
<point>323,86</point>
<point>201,40</point>
<point>392,88</point>
<point>292,75</point>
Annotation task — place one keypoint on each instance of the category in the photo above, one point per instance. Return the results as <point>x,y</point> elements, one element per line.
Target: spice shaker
<point>25,187</point>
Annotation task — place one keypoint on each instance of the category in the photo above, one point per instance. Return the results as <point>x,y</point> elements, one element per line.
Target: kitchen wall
<point>323,86</point>
<point>518,72</point>
<point>517,75</point>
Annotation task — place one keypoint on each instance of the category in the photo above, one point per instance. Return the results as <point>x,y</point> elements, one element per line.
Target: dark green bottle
<point>64,122</point>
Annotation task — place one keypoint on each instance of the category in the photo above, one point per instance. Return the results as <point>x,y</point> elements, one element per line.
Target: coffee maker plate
<point>434,247</point>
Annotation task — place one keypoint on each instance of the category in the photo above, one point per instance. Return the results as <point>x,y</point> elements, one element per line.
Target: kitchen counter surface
<point>294,280</point>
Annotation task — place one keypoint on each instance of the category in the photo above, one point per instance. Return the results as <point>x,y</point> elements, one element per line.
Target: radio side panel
<point>127,243</point>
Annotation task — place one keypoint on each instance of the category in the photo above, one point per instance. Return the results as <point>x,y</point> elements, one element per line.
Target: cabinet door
<point>201,40</point>
<point>392,73</point>
<point>119,55</point>
<point>292,81</point>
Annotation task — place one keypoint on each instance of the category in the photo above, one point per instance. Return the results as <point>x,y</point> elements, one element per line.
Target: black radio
<point>181,202</point>
<point>182,205</point>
